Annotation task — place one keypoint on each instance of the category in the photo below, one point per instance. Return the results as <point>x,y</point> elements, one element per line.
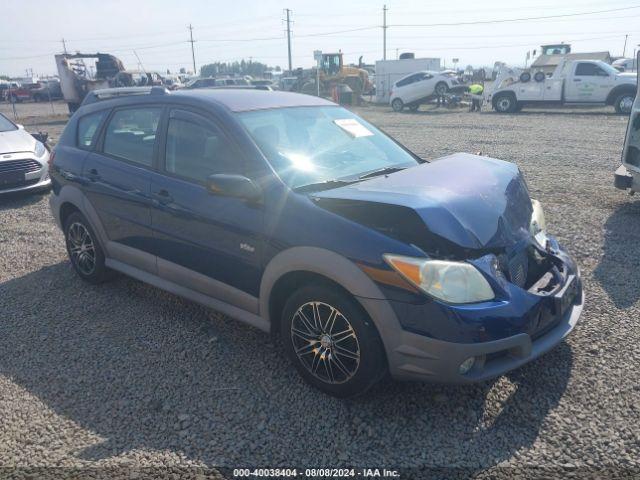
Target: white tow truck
<point>573,82</point>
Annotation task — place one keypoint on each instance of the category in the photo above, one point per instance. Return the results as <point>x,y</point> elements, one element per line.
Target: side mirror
<point>20,126</point>
<point>237,186</point>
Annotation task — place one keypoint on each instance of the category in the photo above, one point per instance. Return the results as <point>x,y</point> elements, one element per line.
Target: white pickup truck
<point>573,82</point>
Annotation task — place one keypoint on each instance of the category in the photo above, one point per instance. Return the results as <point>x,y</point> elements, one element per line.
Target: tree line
<point>243,67</point>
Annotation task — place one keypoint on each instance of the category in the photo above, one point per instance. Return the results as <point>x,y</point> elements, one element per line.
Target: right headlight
<point>453,282</point>
<point>538,224</point>
<point>39,149</point>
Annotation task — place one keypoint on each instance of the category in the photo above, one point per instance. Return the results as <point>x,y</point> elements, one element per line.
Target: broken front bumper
<point>416,357</point>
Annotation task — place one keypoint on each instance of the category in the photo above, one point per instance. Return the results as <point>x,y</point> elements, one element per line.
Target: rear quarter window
<point>87,128</point>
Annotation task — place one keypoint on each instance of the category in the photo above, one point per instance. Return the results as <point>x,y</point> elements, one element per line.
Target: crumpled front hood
<point>16,141</point>
<point>473,201</point>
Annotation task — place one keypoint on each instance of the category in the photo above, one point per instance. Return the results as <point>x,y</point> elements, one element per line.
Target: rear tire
<point>505,103</point>
<point>331,341</point>
<point>84,250</point>
<point>624,103</point>
<point>397,105</point>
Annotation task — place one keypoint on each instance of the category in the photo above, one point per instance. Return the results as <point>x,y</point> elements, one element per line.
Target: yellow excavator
<point>333,73</point>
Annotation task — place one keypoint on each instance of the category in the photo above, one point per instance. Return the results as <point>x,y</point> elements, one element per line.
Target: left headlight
<point>453,282</point>
<point>40,149</point>
<point>538,225</point>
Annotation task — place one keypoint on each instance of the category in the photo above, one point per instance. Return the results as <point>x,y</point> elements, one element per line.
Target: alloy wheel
<point>81,248</point>
<point>325,342</point>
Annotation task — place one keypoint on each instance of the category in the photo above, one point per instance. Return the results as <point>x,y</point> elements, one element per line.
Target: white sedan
<point>23,159</point>
<point>416,88</point>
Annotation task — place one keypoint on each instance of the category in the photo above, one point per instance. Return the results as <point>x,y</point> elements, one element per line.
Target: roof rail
<point>107,93</point>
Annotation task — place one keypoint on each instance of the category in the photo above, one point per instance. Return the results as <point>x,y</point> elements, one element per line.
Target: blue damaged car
<point>294,215</point>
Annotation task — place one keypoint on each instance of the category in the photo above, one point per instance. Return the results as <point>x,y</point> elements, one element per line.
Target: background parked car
<point>201,83</point>
<point>625,65</point>
<point>48,90</point>
<point>23,159</point>
<point>21,92</point>
<point>418,87</point>
<point>287,83</point>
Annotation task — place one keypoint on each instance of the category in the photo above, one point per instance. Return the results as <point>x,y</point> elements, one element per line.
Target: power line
<point>336,32</point>
<point>483,22</point>
<point>511,45</point>
<point>239,39</point>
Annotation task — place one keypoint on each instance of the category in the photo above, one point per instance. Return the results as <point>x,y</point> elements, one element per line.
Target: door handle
<point>162,196</point>
<point>577,80</point>
<point>93,175</point>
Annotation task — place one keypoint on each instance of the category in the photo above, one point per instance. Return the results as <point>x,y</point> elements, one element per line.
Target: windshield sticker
<point>353,127</point>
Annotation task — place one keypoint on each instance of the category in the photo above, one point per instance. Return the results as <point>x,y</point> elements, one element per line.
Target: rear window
<point>87,128</point>
<point>131,134</point>
<point>416,77</point>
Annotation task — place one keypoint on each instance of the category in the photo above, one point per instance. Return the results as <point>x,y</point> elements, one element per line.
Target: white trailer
<point>390,71</point>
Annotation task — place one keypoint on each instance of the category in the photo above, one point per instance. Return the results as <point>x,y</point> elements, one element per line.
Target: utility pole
<point>624,50</point>
<point>289,38</point>
<point>64,46</point>
<point>384,32</point>
<point>193,54</point>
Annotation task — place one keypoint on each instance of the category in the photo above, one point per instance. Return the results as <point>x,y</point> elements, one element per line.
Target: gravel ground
<point>127,376</point>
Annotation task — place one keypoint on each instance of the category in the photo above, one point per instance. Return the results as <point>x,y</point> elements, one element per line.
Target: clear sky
<point>31,31</point>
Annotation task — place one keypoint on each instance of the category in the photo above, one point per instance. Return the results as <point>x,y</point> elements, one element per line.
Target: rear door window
<point>87,128</point>
<point>131,134</point>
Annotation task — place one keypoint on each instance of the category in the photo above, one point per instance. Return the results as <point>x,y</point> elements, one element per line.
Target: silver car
<point>23,159</point>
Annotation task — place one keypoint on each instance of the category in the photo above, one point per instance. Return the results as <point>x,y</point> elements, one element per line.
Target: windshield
<point>6,125</point>
<point>310,145</point>
<point>608,68</point>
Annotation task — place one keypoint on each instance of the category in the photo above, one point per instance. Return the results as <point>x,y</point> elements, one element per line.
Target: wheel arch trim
<point>73,195</point>
<point>340,270</point>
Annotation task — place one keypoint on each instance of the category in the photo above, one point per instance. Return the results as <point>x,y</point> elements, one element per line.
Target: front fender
<point>619,90</point>
<point>342,271</point>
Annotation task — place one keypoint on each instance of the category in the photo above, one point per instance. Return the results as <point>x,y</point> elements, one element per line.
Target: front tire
<point>624,103</point>
<point>505,103</point>
<point>441,89</point>
<point>331,341</point>
<point>84,250</point>
<point>397,105</point>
